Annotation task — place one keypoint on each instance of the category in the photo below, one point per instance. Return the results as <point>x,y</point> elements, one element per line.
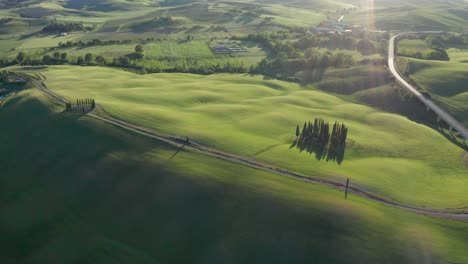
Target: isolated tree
<point>20,57</point>
<point>79,60</point>
<point>4,77</point>
<point>428,41</point>
<point>46,59</point>
<point>100,60</point>
<point>88,58</point>
<point>297,131</point>
<point>56,55</point>
<point>139,48</point>
<point>63,56</point>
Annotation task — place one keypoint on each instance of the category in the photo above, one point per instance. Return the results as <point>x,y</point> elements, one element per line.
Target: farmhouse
<point>236,49</point>
<point>220,49</point>
<point>321,31</point>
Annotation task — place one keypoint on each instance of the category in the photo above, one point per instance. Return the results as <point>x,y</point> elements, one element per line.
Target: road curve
<point>178,141</point>
<point>429,103</point>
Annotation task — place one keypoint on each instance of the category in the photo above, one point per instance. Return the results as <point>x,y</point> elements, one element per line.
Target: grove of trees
<point>436,46</point>
<point>57,27</point>
<point>303,60</point>
<point>81,106</point>
<point>322,139</point>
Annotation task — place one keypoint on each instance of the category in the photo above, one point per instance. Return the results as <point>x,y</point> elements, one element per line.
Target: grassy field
<point>446,81</point>
<point>91,193</point>
<point>252,116</point>
<point>407,47</point>
<point>119,20</point>
<point>410,15</point>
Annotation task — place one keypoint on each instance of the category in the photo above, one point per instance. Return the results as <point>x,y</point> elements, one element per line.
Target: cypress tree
<point>326,134</point>
<point>333,136</point>
<point>304,131</point>
<point>310,130</point>
<point>297,131</point>
<point>344,135</point>
<point>316,128</point>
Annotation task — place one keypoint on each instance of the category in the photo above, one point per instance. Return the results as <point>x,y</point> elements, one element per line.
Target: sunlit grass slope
<point>80,191</point>
<point>446,81</point>
<point>411,15</point>
<point>251,116</point>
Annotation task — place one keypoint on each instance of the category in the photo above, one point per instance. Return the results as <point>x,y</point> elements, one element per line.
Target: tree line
<point>93,42</point>
<point>4,77</point>
<point>56,27</point>
<point>301,61</point>
<point>296,61</point>
<point>81,106</point>
<point>59,58</point>
<point>436,46</point>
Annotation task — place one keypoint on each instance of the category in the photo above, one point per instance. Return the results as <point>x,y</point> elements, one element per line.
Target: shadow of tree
<point>321,151</point>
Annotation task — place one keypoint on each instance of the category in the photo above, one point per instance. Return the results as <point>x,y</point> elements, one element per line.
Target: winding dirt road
<point>178,141</point>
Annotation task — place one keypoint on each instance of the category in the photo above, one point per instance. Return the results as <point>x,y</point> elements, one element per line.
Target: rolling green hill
<point>410,15</point>
<point>251,116</point>
<point>74,189</point>
<point>79,191</point>
<point>444,80</point>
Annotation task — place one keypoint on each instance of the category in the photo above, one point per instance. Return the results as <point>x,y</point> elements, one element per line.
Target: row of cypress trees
<point>318,132</point>
<point>81,106</point>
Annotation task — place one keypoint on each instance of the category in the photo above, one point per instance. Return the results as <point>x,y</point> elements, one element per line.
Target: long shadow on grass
<point>88,190</point>
<point>321,152</point>
<point>177,152</point>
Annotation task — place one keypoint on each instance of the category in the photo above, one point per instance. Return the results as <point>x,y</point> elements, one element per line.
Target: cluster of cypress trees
<point>319,133</point>
<point>339,134</point>
<point>81,106</point>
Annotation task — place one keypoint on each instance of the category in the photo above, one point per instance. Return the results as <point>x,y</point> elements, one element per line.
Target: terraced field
<point>254,117</point>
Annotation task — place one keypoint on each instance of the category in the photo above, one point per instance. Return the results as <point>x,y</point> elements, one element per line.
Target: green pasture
<point>410,15</point>
<point>294,16</point>
<point>458,55</point>
<point>198,50</point>
<point>408,47</point>
<point>256,117</point>
<point>446,81</point>
<point>93,193</point>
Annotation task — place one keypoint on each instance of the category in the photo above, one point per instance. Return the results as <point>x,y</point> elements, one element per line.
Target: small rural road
<point>179,142</point>
<point>452,122</point>
<point>118,29</point>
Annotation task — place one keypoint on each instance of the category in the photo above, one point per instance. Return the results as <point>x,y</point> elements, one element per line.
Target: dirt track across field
<point>179,142</point>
